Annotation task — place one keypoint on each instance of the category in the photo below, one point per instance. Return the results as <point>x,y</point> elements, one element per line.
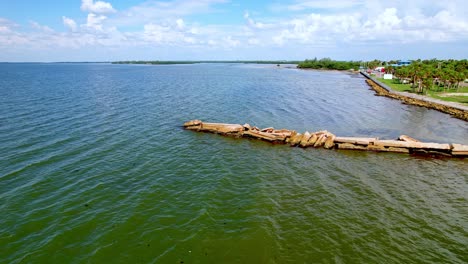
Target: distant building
<point>401,63</point>
<point>380,69</point>
<point>404,63</point>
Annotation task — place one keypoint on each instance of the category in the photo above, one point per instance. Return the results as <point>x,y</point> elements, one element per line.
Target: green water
<point>95,168</point>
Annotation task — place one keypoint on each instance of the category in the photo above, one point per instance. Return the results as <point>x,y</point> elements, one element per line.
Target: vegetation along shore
<point>157,62</point>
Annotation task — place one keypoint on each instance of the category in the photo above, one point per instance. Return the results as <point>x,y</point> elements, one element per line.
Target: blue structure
<point>404,63</point>
<point>401,63</point>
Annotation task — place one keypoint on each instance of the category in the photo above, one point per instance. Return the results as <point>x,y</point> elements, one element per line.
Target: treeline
<point>431,74</point>
<point>329,64</point>
<point>194,62</point>
<point>154,62</point>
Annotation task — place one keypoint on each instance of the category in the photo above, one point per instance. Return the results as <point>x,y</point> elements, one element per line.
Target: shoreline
<point>329,70</point>
<point>453,109</point>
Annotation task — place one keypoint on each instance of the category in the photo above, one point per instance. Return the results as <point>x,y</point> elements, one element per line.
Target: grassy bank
<point>443,95</point>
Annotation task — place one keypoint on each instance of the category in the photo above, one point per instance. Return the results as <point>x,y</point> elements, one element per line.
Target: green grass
<point>431,93</point>
<point>457,99</point>
<point>400,87</point>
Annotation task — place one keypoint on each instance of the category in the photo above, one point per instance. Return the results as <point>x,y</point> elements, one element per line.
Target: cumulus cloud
<point>323,4</point>
<point>94,22</point>
<point>172,33</point>
<point>4,29</point>
<point>254,24</point>
<point>69,23</point>
<point>165,34</point>
<point>6,25</point>
<point>388,25</point>
<point>151,11</point>
<point>308,24</point>
<point>40,27</point>
<point>230,42</point>
<point>180,24</point>
<point>98,7</point>
<point>9,37</point>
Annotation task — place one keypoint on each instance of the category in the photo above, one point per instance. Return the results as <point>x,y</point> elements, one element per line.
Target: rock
<point>407,139</point>
<point>355,140</point>
<point>435,146</point>
<point>305,138</point>
<point>192,123</point>
<point>411,145</point>
<point>293,133</point>
<point>312,139</point>
<point>350,146</point>
<point>222,128</point>
<point>387,149</point>
<point>321,140</point>
<point>296,139</point>
<point>396,144</point>
<point>265,136</point>
<point>267,130</point>
<point>329,143</point>
<point>459,150</point>
<point>282,131</point>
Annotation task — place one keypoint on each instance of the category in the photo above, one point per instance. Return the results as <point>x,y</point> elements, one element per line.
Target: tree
<point>373,64</point>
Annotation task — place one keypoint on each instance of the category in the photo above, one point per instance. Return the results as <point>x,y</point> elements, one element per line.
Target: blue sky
<point>89,30</point>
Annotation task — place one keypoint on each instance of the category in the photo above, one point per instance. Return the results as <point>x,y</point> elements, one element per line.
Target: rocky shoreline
<point>456,112</point>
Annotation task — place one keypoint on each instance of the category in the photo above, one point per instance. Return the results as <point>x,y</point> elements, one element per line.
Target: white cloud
<point>166,34</point>
<point>151,11</point>
<point>312,25</point>
<point>40,27</point>
<point>98,7</point>
<point>387,25</point>
<point>253,41</point>
<point>229,42</point>
<point>180,24</point>
<point>9,37</point>
<point>324,4</point>
<point>4,29</point>
<point>69,23</point>
<point>5,25</point>
<point>94,22</point>
<point>254,24</point>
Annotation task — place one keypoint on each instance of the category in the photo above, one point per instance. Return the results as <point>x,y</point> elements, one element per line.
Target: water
<point>95,167</point>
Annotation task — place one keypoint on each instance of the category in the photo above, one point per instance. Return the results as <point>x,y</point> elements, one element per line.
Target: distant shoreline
<point>207,61</point>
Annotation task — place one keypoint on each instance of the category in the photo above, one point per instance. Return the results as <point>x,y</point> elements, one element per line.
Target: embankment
<point>458,111</point>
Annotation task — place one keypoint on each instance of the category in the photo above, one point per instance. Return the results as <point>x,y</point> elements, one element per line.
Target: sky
<point>112,30</point>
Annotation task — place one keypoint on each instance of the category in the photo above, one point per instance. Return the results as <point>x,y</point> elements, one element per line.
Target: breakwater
<point>459,112</point>
<point>327,140</point>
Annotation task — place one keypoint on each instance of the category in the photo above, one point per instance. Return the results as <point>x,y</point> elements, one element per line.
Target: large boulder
<point>305,139</point>
<point>295,139</point>
<point>329,143</point>
<point>193,124</point>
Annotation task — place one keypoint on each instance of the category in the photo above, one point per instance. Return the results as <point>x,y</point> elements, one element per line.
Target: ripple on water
<point>95,168</point>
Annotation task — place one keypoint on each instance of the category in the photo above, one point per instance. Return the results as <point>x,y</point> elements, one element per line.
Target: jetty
<point>327,140</point>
